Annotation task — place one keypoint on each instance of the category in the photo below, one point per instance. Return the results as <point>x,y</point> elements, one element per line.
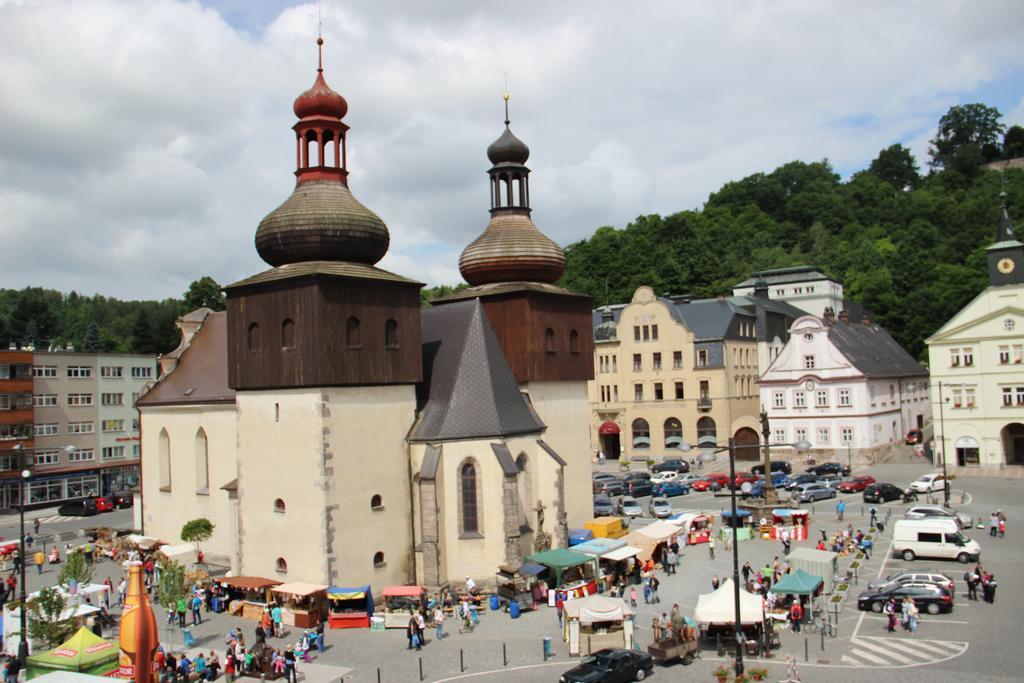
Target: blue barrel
<point>513,609</point>
<point>495,603</point>
<point>547,648</point>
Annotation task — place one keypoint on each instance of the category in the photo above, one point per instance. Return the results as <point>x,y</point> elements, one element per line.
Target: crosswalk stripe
<point>870,657</point>
<point>851,661</point>
<point>883,649</point>
<point>928,646</point>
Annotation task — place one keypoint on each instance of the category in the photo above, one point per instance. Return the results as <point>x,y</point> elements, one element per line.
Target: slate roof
<point>706,318</point>
<point>341,269</point>
<point>779,276</point>
<point>468,389</point>
<point>872,351</point>
<point>201,375</point>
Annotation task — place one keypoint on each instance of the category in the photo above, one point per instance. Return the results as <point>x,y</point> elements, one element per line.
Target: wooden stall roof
<point>248,582</point>
<point>298,588</point>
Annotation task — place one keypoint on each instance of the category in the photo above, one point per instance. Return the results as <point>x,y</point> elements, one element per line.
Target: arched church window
<point>391,334</point>
<point>254,337</point>
<point>353,336</point>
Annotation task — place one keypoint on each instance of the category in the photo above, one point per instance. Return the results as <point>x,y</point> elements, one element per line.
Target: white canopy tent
<point>623,553</point>
<point>719,607</point>
<point>184,553</point>
<point>647,538</point>
<point>595,622</point>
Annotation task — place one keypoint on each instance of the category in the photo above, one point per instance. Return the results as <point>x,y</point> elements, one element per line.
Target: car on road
<point>829,468</point>
<point>935,578</point>
<point>123,499</point>
<point>779,481</point>
<point>639,474</point>
<point>659,507</point>
<point>881,492</point>
<point>609,666</point>
<point>85,507</point>
<point>670,489</point>
<point>672,465</point>
<point>928,597</point>
<point>777,466</point>
<point>103,504</point>
<point>603,506</point>
<point>914,436</point>
<point>639,487</point>
<point>711,482</point>
<point>856,484</point>
<point>928,483</point>
<point>830,480</point>
<point>612,487</point>
<point>799,479</point>
<point>808,493</point>
<point>744,478</point>
<point>630,507</point>
<point>667,475</point>
<point>922,511</point>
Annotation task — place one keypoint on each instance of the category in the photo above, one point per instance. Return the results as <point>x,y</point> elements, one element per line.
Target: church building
<point>336,432</point>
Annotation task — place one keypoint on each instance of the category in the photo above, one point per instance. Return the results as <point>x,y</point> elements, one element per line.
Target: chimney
<point>761,288</point>
<point>867,317</point>
<point>829,315</point>
<point>844,316</point>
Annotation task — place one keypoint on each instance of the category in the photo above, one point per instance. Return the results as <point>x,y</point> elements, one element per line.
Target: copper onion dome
<point>320,100</point>
<point>508,149</point>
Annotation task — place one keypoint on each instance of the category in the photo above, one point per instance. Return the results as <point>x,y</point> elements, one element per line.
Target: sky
<point>142,142</point>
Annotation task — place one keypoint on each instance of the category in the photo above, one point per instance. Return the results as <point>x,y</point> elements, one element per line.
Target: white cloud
<point>141,143</point>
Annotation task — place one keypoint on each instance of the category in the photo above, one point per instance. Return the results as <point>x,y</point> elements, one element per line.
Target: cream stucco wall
<point>164,512</point>
<point>325,453</point>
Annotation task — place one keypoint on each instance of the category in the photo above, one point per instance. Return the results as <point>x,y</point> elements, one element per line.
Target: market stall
<point>599,546</point>
<point>744,523</point>
<point>795,584</point>
<point>519,585</point>
<point>653,538</point>
<point>184,554</point>
<point>349,607</point>
<point>400,602</point>
<point>84,653</point>
<point>570,574</point>
<point>144,543</point>
<point>796,522</point>
<point>696,526</point>
<point>248,595</point>
<point>304,603</point>
<point>821,563</point>
<point>592,623</point>
<point>78,613</point>
<point>716,612</point>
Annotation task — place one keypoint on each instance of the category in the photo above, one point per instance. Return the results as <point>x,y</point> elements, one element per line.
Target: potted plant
<point>758,674</point>
<point>743,678</point>
<point>721,674</point>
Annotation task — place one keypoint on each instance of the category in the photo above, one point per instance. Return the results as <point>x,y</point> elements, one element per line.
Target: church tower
<point>544,331</point>
<point>324,354</point>
<point>1006,256</point>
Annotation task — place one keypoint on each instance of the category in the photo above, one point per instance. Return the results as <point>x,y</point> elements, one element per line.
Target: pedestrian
<point>890,613</point>
<point>993,525</point>
<point>669,562</point>
<point>438,623</point>
<point>1002,528</point>
<point>320,632</point>
<point>412,628</point>
<point>840,509</point>
<point>229,666</point>
<point>988,588</point>
<point>40,560</point>
<point>12,671</point>
<point>197,606</point>
<point>654,590</point>
<point>121,588</point>
<point>874,518</point>
<point>632,601</point>
<point>261,634</point>
<point>715,582</point>
<point>747,570</point>
<point>275,616</point>
<point>796,615</point>
<point>656,628</point>
<point>913,617</point>
<point>35,526</point>
<point>711,547</point>
<point>290,671</point>
<point>905,606</point>
<point>421,627</point>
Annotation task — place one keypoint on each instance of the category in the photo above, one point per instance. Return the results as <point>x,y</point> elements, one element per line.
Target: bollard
<point>823,641</point>
<point>718,647</point>
<point>421,668</point>
<point>462,662</point>
<point>856,576</point>
<point>807,650</point>
<point>378,674</point>
<point>504,655</point>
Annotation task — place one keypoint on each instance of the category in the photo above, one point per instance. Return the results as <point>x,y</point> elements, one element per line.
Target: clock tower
<point>1006,256</point>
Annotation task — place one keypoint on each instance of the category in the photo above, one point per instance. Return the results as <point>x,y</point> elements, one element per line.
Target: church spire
<point>1006,256</point>
<point>1005,230</point>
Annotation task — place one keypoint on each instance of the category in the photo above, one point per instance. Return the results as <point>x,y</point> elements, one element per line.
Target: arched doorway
<point>608,433</point>
<point>1013,443</point>
<point>746,444</point>
<point>967,451</point>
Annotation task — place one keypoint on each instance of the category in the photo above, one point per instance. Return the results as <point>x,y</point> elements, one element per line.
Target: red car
<point>855,484</point>
<point>103,504</point>
<point>744,478</point>
<point>710,481</point>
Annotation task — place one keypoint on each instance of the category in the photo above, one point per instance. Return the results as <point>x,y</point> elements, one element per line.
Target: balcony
<point>704,404</point>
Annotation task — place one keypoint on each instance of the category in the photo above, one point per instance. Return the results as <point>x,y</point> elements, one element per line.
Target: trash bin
<point>547,648</point>
<point>513,609</point>
<point>187,635</point>
<point>495,603</point>
<point>376,623</point>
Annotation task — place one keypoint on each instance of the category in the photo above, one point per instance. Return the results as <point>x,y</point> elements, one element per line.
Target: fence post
<point>807,650</point>
<point>822,640</point>
<point>504,655</point>
<point>378,674</point>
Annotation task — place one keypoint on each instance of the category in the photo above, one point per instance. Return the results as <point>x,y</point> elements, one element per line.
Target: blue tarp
<point>335,594</point>
<point>739,513</point>
<point>577,536</point>
<point>532,569</point>
<point>599,546</point>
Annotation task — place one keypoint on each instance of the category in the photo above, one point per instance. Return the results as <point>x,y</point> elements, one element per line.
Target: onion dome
<point>508,149</point>
<point>320,100</point>
<point>511,249</point>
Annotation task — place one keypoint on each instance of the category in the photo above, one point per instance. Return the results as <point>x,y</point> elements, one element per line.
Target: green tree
<point>196,531</point>
<point>93,340</point>
<point>968,135</point>
<point>1013,142</point>
<point>173,585</point>
<point>143,340</point>
<point>45,626</point>
<point>76,569</point>
<point>204,292</point>
<point>896,166</point>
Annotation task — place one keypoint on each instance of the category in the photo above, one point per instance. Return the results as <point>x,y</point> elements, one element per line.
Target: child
<point>632,596</point>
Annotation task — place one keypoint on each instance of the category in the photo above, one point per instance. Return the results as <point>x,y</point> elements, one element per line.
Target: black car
<point>928,597</point>
<point>882,492</point>
<point>777,466</point>
<point>801,479</point>
<point>122,499</point>
<point>672,465</point>
<point>610,487</point>
<point>611,666</point>
<point>636,475</point>
<point>829,468</point>
<point>79,508</point>
<point>639,487</point>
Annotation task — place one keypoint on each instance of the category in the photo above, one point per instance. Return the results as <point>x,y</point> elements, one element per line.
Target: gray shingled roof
<point>779,276</point>
<point>468,389</point>
<point>872,351</point>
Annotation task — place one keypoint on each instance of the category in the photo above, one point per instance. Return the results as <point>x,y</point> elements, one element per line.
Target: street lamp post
<point>942,445</point>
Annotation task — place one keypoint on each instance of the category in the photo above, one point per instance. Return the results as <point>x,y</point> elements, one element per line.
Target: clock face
<point>1005,266</point>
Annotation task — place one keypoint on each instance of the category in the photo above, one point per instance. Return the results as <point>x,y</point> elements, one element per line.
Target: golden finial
<point>505,97</point>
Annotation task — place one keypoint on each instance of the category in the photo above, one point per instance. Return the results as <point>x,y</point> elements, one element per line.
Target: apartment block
<point>16,419</point>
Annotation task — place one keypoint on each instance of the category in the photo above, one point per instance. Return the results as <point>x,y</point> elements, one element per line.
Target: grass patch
<point>837,598</point>
<point>843,586</point>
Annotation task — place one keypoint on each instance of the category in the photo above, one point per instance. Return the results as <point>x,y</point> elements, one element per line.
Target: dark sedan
<point>611,487</point>
<point>123,499</point>
<point>801,479</point>
<point>639,487</point>
<point>611,666</point>
<point>672,465</point>
<point>79,508</point>
<point>928,597</point>
<point>829,468</point>
<point>882,492</point>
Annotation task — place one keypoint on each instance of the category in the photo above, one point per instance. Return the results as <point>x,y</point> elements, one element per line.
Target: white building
<point>978,358</point>
<point>843,386</point>
<point>805,287</point>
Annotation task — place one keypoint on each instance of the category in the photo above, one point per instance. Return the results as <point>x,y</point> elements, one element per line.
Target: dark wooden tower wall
<point>322,348</point>
<point>522,321</point>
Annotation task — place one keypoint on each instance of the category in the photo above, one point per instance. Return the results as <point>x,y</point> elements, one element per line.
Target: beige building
<point>668,371</point>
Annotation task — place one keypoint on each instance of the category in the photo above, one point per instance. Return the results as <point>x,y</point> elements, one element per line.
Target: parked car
<point>915,436</point>
<point>916,577</point>
<point>923,511</point>
<point>639,487</point>
<point>103,504</point>
<point>612,487</point>
<point>667,475</point>
<point>711,482</point>
<point>829,468</point>
<point>598,478</point>
<point>123,499</point>
<point>938,537</point>
<point>744,478</point>
<point>630,507</point>
<point>639,474</point>
<point>79,508</point>
<point>928,483</point>
<point>808,493</point>
<point>855,484</point>
<point>881,492</point>
<point>670,489</point>
<point>659,507</point>
<point>672,464</point>
<point>830,480</point>
<point>603,506</point>
<point>777,466</point>
<point>802,479</point>
<point>928,597</point>
<point>687,479</point>
<point>613,664</point>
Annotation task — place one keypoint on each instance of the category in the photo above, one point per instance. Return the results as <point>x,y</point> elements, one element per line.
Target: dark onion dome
<point>320,100</point>
<point>321,221</point>
<point>508,149</point>
<point>512,249</point>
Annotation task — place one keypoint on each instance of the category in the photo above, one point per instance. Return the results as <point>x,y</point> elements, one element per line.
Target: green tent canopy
<point>84,652</point>
<point>797,582</point>
<point>560,559</point>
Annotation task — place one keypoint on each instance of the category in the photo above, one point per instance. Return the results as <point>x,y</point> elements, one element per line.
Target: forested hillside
<point>909,247</point>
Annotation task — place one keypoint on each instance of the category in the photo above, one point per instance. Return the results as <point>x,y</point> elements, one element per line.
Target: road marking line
<point>851,661</point>
<point>885,647</point>
<point>881,568</point>
<point>857,652</point>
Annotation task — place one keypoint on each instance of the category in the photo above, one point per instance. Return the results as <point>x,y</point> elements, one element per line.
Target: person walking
<point>421,627</point>
<point>874,517</point>
<point>714,582</point>
<point>182,607</point>
<point>411,629</point>
<point>711,547</point>
<point>993,525</point>
<point>655,600</point>
<point>890,613</point>
<point>320,633</point>
<point>632,601</point>
<point>197,606</point>
<point>988,588</point>
<point>971,579</point>
<point>905,606</point>
<point>40,559</point>
<point>796,615</point>
<point>840,509</point>
<point>35,526</point>
<point>438,623</point>
<point>275,616</point>
<point>913,617</point>
<point>1002,527</point>
<point>656,628</point>
<point>746,571</point>
<point>291,673</point>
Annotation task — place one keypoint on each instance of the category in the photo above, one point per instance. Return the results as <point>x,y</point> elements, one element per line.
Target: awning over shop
<point>607,428</point>
<point>185,553</point>
<point>84,652</point>
<point>599,546</point>
<point>249,583</point>
<point>797,582</point>
<point>143,542</point>
<point>595,609</point>
<point>336,594</point>
<point>623,553</point>
<point>719,607</point>
<point>560,559</point>
<point>299,589</point>
<point>531,569</point>
<point>659,530</point>
<point>402,591</point>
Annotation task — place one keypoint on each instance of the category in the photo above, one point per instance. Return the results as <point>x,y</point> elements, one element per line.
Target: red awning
<point>405,591</point>
<point>608,427</point>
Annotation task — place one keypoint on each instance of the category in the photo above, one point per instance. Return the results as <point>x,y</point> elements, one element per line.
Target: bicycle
<point>817,624</point>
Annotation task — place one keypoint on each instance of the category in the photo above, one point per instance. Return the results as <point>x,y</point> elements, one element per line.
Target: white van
<point>933,537</point>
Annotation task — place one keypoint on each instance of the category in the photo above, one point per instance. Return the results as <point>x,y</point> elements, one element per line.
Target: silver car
<point>659,507</point>
<point>808,493</point>
<point>963,520</point>
<point>630,507</point>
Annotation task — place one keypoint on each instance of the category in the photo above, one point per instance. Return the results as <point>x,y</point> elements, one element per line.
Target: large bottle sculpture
<point>139,638</point>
